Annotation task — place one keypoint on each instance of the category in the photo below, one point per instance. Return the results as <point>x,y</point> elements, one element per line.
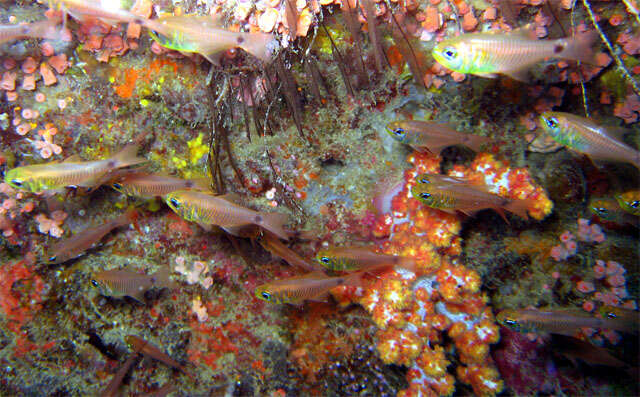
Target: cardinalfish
<point>112,388</point>
<point>72,172</point>
<point>272,243</point>
<point>203,35</point>
<point>108,11</point>
<point>121,283</point>
<point>583,135</point>
<point>145,348</point>
<point>45,29</point>
<point>432,136</point>
<point>630,201</point>
<point>563,321</point>
<point>608,209</point>
<point>346,259</point>
<point>223,211</point>
<point>512,54</point>
<point>75,246</point>
<point>311,286</point>
<point>452,194</point>
<point>142,184</point>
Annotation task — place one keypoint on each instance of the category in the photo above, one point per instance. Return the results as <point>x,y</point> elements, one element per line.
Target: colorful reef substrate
<point>319,197</point>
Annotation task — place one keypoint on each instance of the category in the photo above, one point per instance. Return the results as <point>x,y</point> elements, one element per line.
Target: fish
<point>572,348</point>
<point>511,54</point>
<point>194,33</point>
<point>562,321</point>
<point>432,136</point>
<point>77,245</point>
<point>585,136</point>
<point>143,184</point>
<point>106,11</point>
<point>628,316</point>
<point>121,283</point>
<point>451,194</point>
<point>112,388</point>
<point>272,243</point>
<point>55,176</point>
<point>223,211</point>
<point>310,286</point>
<point>346,259</point>
<point>630,201</point>
<point>136,343</point>
<point>45,29</point>
<point>608,209</point>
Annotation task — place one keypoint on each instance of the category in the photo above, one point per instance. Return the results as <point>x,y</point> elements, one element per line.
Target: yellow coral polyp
<point>197,148</point>
<point>433,362</point>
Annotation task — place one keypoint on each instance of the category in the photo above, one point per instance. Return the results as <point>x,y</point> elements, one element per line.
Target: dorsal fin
<point>527,31</point>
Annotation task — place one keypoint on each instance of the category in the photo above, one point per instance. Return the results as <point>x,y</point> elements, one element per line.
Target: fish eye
<point>95,283</point>
<point>611,315</point>
<point>450,53</point>
<point>117,186</point>
<point>424,180</point>
<point>175,203</point>
<point>635,204</point>
<point>17,182</point>
<point>324,259</point>
<point>425,195</point>
<point>266,295</point>
<point>399,131</point>
<point>52,258</point>
<point>601,210</point>
<point>510,322</point>
<point>552,122</point>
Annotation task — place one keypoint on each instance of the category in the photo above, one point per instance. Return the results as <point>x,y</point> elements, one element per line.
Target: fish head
<point>54,257</point>
<point>326,259</point>
<point>99,281</point>
<point>509,319</point>
<point>176,202</point>
<point>450,54</point>
<point>420,193</point>
<point>264,292</point>
<point>397,130</point>
<point>116,185</point>
<point>551,123</point>
<point>21,179</point>
<point>630,202</point>
<point>603,209</point>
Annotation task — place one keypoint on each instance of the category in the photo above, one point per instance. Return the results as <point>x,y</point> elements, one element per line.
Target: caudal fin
<point>127,156</point>
<point>274,222</point>
<point>162,278</point>
<point>519,207</point>
<point>580,48</point>
<point>260,45</point>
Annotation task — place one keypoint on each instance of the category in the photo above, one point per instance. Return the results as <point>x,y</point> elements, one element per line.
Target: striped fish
<point>223,211</point>
<point>512,54</point>
<point>143,184</point>
<point>120,283</point>
<point>583,135</point>
<point>311,286</point>
<point>432,136</point>
<point>137,344</point>
<point>70,173</point>
<point>360,258</point>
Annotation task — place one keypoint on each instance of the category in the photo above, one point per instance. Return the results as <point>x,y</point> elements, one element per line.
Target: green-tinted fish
<point>70,173</point>
<point>432,136</point>
<point>630,202</point>
<point>585,136</point>
<point>143,184</point>
<point>75,246</point>
<point>120,283</point>
<point>489,54</point>
<point>202,35</point>
<point>563,321</point>
<point>345,259</point>
<point>223,211</point>
<point>452,194</point>
<point>609,210</point>
<point>45,29</point>
<point>311,286</point>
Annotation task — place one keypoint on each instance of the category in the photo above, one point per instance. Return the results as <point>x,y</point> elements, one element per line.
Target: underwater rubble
<point>319,197</point>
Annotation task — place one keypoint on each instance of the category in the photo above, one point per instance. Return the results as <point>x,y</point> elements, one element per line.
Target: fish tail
<point>260,45</point>
<point>162,277</point>
<point>580,48</point>
<point>274,222</point>
<point>475,142</point>
<point>128,156</point>
<point>355,279</point>
<point>519,207</point>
